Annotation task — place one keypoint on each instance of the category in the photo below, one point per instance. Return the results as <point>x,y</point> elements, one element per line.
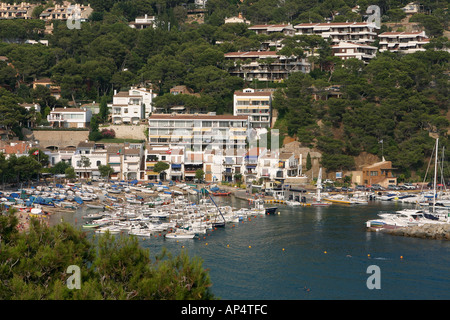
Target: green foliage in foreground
<point>33,266</point>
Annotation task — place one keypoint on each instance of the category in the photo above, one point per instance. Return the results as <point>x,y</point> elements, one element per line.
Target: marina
<point>256,249</point>
<point>308,252</point>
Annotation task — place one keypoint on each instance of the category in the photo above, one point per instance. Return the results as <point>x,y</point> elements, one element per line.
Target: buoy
<point>283,249</point>
<point>249,246</point>
<point>401,257</point>
<point>182,246</point>
<point>228,245</point>
<point>368,255</point>
<point>325,252</point>
<point>278,212</point>
<point>206,243</point>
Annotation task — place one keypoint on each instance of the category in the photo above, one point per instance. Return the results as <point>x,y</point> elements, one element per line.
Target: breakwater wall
<point>436,231</point>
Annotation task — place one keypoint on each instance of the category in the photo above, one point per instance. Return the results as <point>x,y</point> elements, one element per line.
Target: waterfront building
<point>94,154</point>
<point>257,105</point>
<point>198,132</point>
<point>379,173</point>
<point>131,163</point>
<point>157,153</point>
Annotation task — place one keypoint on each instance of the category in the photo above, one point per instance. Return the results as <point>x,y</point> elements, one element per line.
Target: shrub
<point>108,134</point>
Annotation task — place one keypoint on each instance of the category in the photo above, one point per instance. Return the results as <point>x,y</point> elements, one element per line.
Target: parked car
<point>377,187</point>
<point>360,188</point>
<point>393,187</point>
<point>408,186</point>
<point>328,181</point>
<point>330,189</point>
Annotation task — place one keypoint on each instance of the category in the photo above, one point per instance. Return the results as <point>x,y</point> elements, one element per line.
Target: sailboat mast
<point>435,175</point>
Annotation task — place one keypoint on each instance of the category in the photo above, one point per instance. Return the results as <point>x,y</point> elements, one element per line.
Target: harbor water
<point>312,253</point>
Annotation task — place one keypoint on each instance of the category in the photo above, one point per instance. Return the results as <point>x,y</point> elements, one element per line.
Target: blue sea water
<point>316,253</point>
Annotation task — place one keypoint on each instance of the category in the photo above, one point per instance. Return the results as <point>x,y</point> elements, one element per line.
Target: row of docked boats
<point>431,208</point>
<point>407,218</point>
<point>176,218</point>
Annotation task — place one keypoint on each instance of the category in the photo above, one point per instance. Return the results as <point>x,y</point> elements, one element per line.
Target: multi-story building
<point>69,117</point>
<point>65,11</point>
<point>286,29</point>
<point>257,105</point>
<point>348,50</point>
<point>379,173</point>
<point>22,10</point>
<point>356,32</point>
<point>403,42</point>
<point>198,132</point>
<point>131,106</point>
<point>233,163</point>
<point>87,158</point>
<point>265,65</point>
<point>155,154</point>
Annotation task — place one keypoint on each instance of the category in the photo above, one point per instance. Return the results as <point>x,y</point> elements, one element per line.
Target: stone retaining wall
<point>426,231</point>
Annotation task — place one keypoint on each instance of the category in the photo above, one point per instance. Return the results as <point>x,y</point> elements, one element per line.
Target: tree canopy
<point>34,264</point>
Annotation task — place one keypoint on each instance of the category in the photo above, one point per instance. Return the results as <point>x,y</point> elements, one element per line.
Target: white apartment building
<point>267,166</point>
<point>97,155</point>
<point>131,106</point>
<point>157,153</point>
<point>257,105</point>
<point>265,65</point>
<point>131,163</point>
<point>69,117</point>
<point>347,50</point>
<point>356,32</point>
<point>198,132</point>
<point>403,42</point>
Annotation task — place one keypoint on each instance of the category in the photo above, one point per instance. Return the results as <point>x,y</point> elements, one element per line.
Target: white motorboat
<point>180,234</point>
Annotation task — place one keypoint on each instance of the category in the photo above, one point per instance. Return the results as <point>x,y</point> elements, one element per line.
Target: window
<point>98,163</point>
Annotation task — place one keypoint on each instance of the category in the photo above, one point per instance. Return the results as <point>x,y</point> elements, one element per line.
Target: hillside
<point>400,99</point>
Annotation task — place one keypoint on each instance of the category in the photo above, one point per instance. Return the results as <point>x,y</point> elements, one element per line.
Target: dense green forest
<point>399,99</point>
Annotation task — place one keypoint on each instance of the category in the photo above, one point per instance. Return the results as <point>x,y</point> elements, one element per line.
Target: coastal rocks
<point>426,231</point>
